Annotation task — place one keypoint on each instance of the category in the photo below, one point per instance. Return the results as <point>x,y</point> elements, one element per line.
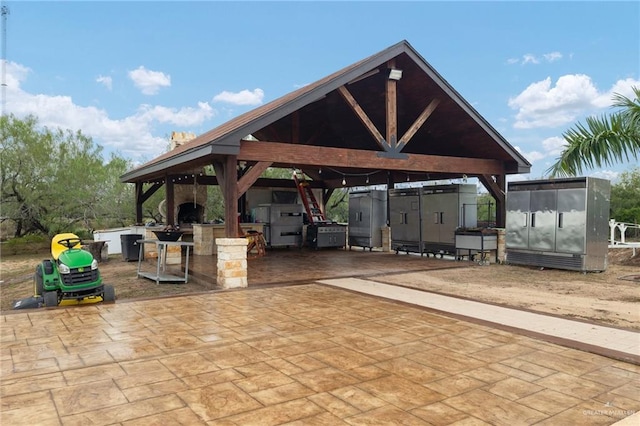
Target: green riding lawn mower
<point>71,276</point>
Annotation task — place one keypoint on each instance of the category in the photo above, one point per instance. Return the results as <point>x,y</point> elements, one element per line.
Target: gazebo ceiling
<point>347,114</point>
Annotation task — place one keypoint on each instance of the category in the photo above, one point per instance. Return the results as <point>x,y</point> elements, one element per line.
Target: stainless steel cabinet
<point>283,223</point>
<point>367,215</point>
<point>561,223</point>
<point>326,235</point>
<point>404,219</point>
<point>446,208</point>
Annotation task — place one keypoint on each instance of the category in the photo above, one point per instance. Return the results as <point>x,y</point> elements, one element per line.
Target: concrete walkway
<point>608,341</point>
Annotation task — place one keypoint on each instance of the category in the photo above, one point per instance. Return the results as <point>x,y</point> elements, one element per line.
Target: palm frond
<point>602,141</point>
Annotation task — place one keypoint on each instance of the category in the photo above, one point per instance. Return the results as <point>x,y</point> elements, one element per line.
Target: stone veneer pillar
<point>501,253</point>
<point>232,262</point>
<point>386,238</point>
<point>203,239</point>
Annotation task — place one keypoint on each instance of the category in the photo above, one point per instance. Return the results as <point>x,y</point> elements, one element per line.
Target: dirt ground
<point>611,297</point>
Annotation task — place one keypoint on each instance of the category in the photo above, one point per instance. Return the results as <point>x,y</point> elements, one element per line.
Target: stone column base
<point>232,262</point>
<point>386,238</point>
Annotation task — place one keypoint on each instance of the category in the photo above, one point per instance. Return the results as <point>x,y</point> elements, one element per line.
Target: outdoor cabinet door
<point>571,221</point>
<point>542,220</point>
<point>449,208</point>
<point>431,217</point>
<point>356,223</point>
<point>365,215</point>
<point>517,223</point>
<point>405,218</point>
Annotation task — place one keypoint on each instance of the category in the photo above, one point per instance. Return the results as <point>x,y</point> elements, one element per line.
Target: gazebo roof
<point>347,123</point>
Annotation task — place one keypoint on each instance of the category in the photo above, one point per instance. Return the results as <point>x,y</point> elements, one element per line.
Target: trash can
<point>130,247</point>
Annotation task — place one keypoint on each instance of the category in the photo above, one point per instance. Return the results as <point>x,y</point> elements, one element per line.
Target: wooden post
<point>391,109</point>
<point>171,202</point>
<point>230,193</point>
<point>139,202</point>
<point>501,205</point>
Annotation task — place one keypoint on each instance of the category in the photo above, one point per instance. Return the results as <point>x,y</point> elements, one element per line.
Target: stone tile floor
<point>297,355</point>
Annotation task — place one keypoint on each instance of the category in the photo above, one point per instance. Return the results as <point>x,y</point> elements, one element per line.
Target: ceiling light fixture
<point>344,181</point>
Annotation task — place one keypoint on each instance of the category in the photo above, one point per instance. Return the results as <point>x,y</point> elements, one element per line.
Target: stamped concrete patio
<point>305,354</point>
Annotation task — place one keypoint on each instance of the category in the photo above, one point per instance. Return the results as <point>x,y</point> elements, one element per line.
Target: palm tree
<point>604,140</point>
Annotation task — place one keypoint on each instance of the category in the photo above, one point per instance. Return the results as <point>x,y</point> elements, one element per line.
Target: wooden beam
<point>496,189</point>
<point>149,192</point>
<point>355,106</point>
<point>418,123</point>
<point>219,169</point>
<point>391,107</point>
<point>320,156</point>
<point>250,177</point>
<point>326,194</point>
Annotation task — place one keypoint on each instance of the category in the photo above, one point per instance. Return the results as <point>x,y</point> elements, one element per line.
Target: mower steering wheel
<point>70,243</point>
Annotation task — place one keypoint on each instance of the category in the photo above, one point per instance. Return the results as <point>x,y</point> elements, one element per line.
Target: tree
<point>603,140</point>
<point>55,181</point>
<point>625,197</point>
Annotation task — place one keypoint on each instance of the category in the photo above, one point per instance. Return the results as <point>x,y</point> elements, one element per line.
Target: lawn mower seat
<point>57,248</point>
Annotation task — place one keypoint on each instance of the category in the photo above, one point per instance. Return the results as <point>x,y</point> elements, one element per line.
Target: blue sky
<point>129,73</point>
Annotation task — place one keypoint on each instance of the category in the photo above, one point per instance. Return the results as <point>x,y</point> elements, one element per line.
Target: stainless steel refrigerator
<point>446,208</point>
<point>404,219</point>
<point>367,215</point>
<point>559,223</point>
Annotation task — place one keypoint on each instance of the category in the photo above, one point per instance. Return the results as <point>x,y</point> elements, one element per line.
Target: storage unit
<point>282,223</point>
<point>129,246</point>
<point>367,215</point>
<point>446,208</point>
<point>324,235</point>
<point>560,223</point>
<point>471,242</point>
<point>404,219</point>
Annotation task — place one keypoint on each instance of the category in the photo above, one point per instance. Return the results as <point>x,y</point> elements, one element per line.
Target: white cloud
<point>530,58</point>
<point>149,82</point>
<point>106,81</point>
<point>184,117</point>
<point>553,146</point>
<point>622,87</point>
<point>131,136</point>
<point>552,56</point>
<point>244,97</point>
<point>545,105</point>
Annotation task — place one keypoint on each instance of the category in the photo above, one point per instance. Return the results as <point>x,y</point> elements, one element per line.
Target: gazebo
<point>388,118</point>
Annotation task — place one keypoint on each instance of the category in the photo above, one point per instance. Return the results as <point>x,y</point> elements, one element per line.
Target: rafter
<point>418,123</point>
<point>249,178</point>
<point>355,106</point>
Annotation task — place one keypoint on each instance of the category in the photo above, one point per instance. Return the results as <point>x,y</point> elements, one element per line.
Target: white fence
<point>622,228</point>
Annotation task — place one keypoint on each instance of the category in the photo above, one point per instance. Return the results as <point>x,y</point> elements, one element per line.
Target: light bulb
<point>344,181</point>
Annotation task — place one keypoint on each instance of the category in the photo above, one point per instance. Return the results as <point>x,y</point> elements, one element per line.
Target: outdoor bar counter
<point>204,235</point>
